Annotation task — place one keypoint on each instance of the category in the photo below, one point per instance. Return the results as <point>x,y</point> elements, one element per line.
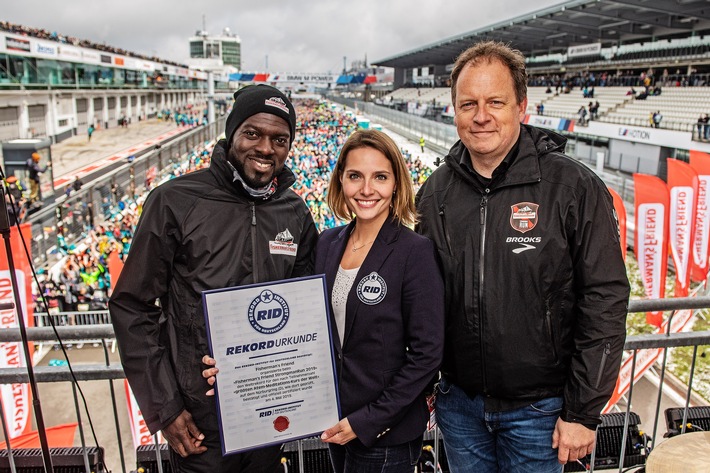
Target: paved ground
<point>72,156</point>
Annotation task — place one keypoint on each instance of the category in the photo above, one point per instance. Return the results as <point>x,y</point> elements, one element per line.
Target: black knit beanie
<point>254,99</point>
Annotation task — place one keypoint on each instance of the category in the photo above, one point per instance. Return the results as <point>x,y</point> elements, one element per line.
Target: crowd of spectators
<point>648,79</point>
<point>82,279</point>
<point>84,43</point>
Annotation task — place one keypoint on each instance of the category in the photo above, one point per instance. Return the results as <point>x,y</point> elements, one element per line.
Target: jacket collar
<point>222,171</point>
<point>377,256</point>
<point>524,167</point>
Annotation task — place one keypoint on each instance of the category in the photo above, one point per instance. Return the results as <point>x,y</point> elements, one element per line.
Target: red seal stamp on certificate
<point>281,423</point>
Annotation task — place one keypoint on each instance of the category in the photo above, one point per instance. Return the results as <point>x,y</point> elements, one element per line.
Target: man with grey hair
<point>536,288</point>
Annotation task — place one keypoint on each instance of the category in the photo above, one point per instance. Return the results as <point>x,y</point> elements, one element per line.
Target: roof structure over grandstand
<point>576,22</point>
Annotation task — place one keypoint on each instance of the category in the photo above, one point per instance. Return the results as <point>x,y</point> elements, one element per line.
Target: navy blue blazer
<point>394,332</point>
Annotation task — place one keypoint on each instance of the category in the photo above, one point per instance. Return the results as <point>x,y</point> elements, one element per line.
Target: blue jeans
<point>354,457</point>
<point>515,441</point>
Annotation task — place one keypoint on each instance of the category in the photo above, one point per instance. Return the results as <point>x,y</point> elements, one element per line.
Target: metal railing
<point>83,326</point>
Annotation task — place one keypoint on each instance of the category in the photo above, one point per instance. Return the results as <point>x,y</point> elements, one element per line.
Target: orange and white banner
<point>141,434</point>
<point>621,219</point>
<point>701,243</point>
<point>651,237</point>
<point>683,188</point>
<point>16,398</point>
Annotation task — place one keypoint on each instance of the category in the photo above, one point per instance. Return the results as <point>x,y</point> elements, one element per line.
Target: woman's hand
<point>210,373</point>
<point>341,433</point>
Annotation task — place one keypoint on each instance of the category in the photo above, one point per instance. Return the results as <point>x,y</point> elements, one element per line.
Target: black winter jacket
<point>197,232</point>
<point>536,288</point>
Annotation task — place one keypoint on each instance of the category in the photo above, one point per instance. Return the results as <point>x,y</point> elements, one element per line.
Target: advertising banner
<point>16,398</point>
<point>683,187</point>
<point>699,268</point>
<point>651,237</point>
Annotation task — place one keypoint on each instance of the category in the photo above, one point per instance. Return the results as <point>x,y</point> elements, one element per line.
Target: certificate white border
<point>246,350</point>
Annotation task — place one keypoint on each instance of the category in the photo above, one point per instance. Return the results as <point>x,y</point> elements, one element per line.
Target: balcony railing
<point>619,429</point>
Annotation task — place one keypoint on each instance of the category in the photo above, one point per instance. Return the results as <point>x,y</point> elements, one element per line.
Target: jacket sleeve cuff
<point>591,422</point>
<point>166,416</point>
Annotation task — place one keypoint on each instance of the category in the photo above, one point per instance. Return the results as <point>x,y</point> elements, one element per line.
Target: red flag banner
<point>621,219</point>
<point>651,237</point>
<point>683,188</point>
<point>16,398</point>
<point>701,243</point>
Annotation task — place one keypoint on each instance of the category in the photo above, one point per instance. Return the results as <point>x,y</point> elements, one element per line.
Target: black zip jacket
<point>197,232</point>
<point>536,288</point>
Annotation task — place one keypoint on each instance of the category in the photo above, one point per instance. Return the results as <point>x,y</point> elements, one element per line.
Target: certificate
<point>272,344</point>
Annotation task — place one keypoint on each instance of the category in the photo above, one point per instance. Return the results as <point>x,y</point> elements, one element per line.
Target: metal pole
<point>210,97</point>
<point>690,389</point>
<point>625,434</point>
<point>10,456</point>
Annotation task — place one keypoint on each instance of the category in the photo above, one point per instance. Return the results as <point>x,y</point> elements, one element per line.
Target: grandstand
<point>608,46</point>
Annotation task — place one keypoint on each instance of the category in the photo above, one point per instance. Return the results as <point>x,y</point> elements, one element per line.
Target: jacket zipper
<point>253,242</point>
<point>481,272</point>
<point>446,231</point>
<point>605,354</point>
<point>550,334</point>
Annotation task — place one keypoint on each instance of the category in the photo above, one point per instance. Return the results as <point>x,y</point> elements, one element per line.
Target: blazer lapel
<point>375,259</point>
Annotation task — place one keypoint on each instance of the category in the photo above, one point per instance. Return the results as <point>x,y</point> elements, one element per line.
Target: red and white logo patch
<point>277,102</point>
<point>523,216</point>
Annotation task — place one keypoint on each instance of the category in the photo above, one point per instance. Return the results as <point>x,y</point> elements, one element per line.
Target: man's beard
<point>250,180</point>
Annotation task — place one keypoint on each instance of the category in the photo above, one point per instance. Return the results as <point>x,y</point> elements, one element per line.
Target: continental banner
<point>651,238</point>
<point>16,398</point>
<point>683,188</point>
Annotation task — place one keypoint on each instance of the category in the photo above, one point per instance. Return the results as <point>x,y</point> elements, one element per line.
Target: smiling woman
<point>386,309</point>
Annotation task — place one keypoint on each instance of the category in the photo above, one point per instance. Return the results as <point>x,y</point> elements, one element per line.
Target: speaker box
<point>64,460</point>
<point>148,461</point>
<point>698,418</point>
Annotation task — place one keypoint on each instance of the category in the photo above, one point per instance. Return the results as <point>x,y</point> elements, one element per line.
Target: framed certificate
<point>272,344</point>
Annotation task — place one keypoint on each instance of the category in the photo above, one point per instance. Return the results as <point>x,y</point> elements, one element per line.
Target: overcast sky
<point>297,36</point>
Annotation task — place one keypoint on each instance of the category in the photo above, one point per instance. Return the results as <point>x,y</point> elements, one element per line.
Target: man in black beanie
<point>236,223</point>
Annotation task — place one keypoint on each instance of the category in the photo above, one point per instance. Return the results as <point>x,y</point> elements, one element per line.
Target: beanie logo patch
<point>277,102</point>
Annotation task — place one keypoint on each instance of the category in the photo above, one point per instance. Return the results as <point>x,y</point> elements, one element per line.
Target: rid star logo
<point>523,216</point>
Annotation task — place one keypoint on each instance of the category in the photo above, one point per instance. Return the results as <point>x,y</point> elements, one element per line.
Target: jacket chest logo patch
<point>283,244</point>
<point>371,289</point>
<point>523,216</point>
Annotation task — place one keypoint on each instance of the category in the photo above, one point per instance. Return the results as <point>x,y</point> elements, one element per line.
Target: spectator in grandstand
<point>387,359</point>
<point>700,124</point>
<point>33,172</point>
<point>657,117</point>
<point>594,110</point>
<point>192,236</point>
<point>706,127</point>
<point>14,201</point>
<point>531,360</point>
<point>582,115</point>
